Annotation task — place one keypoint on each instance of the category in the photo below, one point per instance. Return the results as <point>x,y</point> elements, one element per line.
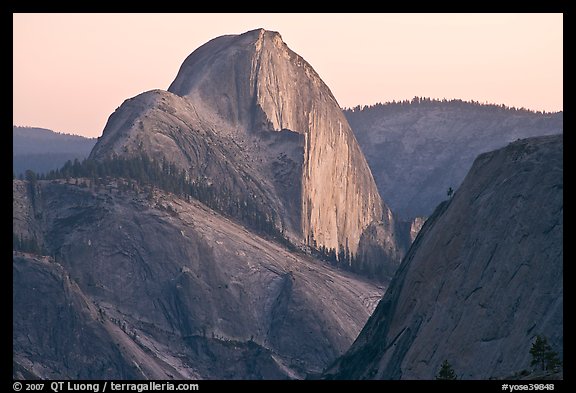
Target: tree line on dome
<point>166,176</point>
<point>146,173</point>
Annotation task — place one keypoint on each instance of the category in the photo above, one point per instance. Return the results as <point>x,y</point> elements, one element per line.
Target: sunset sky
<point>71,71</point>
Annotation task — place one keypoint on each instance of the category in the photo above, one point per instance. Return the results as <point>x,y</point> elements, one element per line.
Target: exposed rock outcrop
<point>255,82</point>
<point>153,286</point>
<point>482,279</point>
<point>58,333</point>
<point>254,118</point>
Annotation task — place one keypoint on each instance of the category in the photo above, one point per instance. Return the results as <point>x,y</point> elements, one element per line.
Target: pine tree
<point>446,372</point>
<point>553,363</point>
<point>543,356</point>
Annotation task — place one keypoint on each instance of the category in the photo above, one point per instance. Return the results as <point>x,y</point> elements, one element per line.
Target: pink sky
<point>71,71</point>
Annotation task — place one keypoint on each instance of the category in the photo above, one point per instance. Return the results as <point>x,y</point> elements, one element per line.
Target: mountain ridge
<point>226,298</point>
<point>42,150</point>
<point>172,288</point>
<point>482,279</point>
<point>288,142</point>
<point>434,143</point>
<point>169,254</point>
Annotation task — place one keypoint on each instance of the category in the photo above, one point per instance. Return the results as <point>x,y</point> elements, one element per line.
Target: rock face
<point>167,127</point>
<point>482,279</point>
<point>142,284</point>
<point>58,333</point>
<point>417,150</point>
<point>250,115</point>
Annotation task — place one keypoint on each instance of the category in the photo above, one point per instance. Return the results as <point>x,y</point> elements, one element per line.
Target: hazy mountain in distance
<point>250,117</point>
<point>483,278</point>
<point>417,150</point>
<point>43,150</point>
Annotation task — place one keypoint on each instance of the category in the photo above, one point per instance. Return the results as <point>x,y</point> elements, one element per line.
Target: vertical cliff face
<point>339,197</point>
<point>247,112</point>
<point>258,85</point>
<point>482,279</point>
